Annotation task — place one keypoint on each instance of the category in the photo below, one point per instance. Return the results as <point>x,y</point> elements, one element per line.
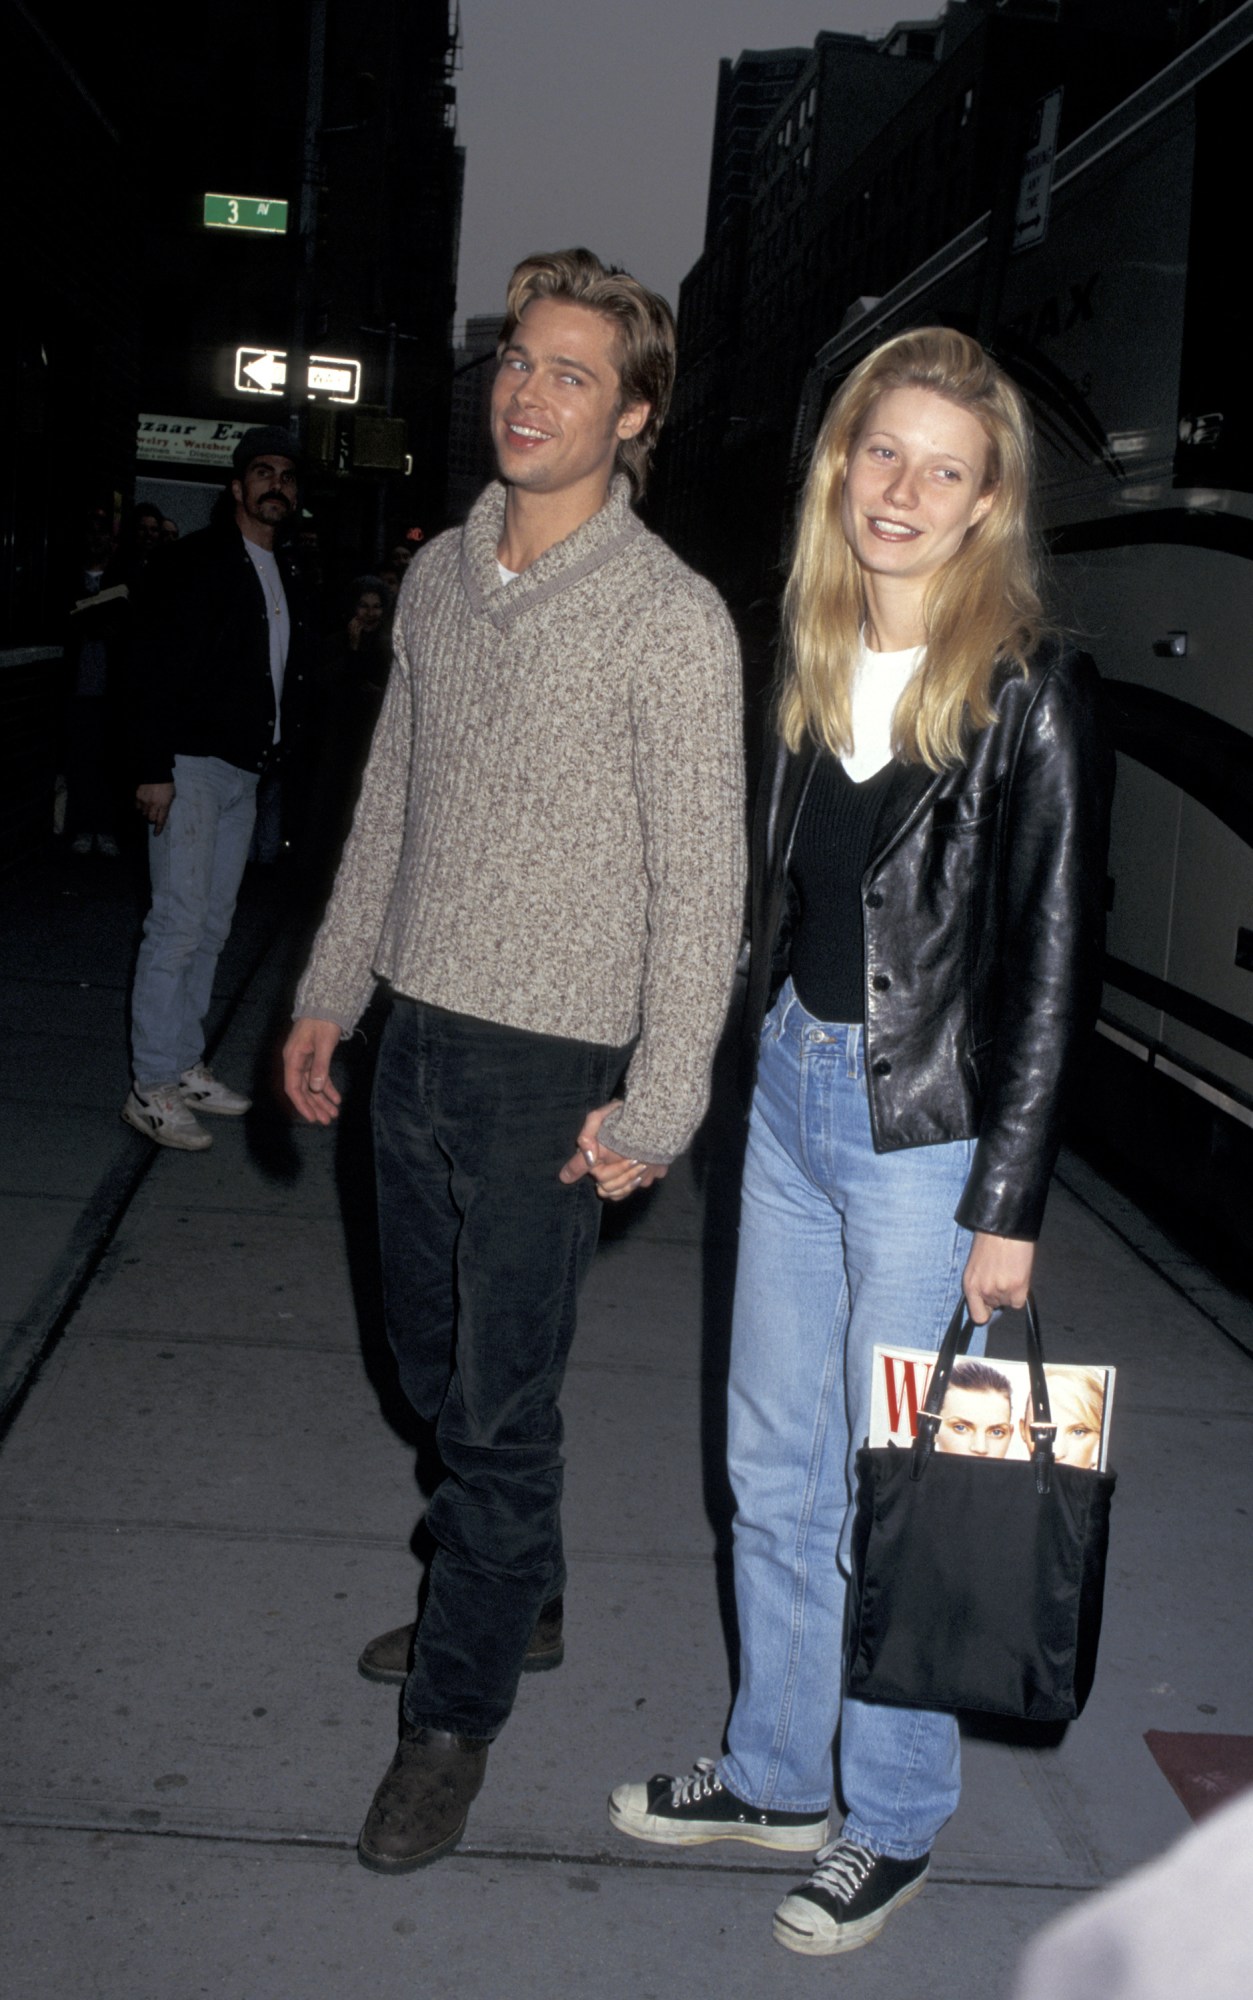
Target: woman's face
<point>1078,1425</point>
<point>369,611</point>
<point>915,484</point>
<point>975,1423</point>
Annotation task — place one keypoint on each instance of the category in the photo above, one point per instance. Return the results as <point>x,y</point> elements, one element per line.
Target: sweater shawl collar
<point>565,564</point>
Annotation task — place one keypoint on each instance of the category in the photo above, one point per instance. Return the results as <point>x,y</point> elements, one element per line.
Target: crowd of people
<point>93,803</point>
<point>216,693</point>
<point>94,807</point>
<point>534,765</point>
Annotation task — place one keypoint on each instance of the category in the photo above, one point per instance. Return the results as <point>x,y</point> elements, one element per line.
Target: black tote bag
<point>977,1584</point>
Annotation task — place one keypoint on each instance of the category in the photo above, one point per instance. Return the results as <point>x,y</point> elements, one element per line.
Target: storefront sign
<point>189,440</point>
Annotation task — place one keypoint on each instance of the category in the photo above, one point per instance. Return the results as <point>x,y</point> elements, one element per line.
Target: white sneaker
<point>106,845</point>
<point>162,1115</point>
<point>199,1088</point>
<point>81,844</point>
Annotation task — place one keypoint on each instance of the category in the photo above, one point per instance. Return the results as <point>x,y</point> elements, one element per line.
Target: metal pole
<point>310,182</point>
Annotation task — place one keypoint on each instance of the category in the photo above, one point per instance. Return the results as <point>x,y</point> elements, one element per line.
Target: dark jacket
<point>200,669</point>
<point>983,919</point>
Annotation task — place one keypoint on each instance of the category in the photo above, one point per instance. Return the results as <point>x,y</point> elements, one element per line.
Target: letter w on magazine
<point>987,1409</point>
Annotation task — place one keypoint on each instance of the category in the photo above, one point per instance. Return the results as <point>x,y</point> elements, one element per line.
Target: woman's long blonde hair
<point>981,608</point>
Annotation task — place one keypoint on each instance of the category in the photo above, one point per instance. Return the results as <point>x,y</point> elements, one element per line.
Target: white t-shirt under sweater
<point>880,681</point>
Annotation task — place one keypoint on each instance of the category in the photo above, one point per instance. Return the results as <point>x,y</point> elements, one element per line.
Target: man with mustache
<point>223,637</point>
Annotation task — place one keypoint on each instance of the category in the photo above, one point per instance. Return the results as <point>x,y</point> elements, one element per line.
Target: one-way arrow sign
<point>262,371</point>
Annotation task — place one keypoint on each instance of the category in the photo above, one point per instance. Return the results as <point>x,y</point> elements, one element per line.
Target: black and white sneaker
<point>163,1116</point>
<point>847,1900</point>
<point>684,1812</point>
<point>202,1091</point>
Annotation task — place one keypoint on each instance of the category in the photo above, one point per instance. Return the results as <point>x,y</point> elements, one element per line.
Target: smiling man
<point>223,636</point>
<point>546,867</point>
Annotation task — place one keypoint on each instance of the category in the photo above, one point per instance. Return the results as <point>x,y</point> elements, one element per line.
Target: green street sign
<point>245,211</point>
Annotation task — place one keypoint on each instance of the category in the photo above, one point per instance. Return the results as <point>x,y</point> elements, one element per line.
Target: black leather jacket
<point>200,676</point>
<point>983,918</point>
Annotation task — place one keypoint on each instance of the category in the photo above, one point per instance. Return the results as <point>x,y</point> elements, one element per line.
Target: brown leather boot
<point>390,1656</point>
<point>420,1809</point>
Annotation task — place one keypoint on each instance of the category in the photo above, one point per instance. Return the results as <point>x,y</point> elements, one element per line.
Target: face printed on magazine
<point>986,1411</point>
<point>977,1414</point>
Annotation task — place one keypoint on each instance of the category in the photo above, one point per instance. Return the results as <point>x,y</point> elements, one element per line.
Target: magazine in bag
<point>987,1406</point>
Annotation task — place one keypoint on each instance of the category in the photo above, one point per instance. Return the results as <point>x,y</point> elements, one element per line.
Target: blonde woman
<point>1077,1406</point>
<point>927,924</point>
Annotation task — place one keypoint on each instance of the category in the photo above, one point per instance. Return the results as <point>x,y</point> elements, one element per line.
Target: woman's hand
<point>998,1273</point>
<point>615,1175</point>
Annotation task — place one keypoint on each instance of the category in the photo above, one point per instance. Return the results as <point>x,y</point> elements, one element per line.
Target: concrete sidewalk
<point>69,930</point>
<point>208,1498</point>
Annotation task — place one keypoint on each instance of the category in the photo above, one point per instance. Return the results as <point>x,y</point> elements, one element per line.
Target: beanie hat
<point>264,441</point>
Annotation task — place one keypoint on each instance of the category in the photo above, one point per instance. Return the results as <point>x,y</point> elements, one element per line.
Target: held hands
<point>154,802</point>
<point>615,1176</point>
<point>998,1273</point>
<point>307,1056</point>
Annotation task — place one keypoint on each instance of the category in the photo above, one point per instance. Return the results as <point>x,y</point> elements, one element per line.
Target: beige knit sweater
<point>550,830</point>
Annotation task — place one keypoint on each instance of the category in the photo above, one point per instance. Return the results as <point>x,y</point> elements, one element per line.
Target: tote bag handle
<point>1042,1428</point>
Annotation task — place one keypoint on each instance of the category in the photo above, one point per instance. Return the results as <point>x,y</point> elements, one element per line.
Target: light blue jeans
<point>840,1247</point>
<point>196,864</point>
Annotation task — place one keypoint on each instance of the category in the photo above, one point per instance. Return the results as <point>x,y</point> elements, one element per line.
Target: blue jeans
<point>483,1254</point>
<point>840,1247</point>
<point>196,864</point>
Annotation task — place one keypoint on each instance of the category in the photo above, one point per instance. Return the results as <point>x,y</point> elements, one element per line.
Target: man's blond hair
<point>645,335</point>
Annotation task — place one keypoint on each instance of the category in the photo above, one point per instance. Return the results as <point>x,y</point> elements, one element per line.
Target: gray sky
<point>590,121</point>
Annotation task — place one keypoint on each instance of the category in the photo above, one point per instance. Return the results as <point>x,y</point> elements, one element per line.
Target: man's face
<point>557,414</point>
<point>147,530</point>
<point>267,492</point>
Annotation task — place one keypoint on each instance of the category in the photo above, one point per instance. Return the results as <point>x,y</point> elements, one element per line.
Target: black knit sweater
<point>841,825</point>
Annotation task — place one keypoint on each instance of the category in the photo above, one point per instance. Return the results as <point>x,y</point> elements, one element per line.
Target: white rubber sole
<point>702,1833</point>
<point>808,1936</point>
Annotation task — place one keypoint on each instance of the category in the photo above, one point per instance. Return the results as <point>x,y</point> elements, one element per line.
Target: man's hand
<point>998,1273</point>
<point>307,1056</point>
<point>154,802</point>
<point>615,1176</point>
